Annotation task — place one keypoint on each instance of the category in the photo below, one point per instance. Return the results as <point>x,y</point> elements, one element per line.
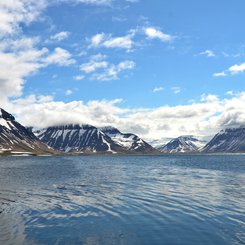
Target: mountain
<point>182,144</point>
<point>78,138</point>
<point>15,138</point>
<point>130,142</point>
<point>89,139</point>
<point>228,140</point>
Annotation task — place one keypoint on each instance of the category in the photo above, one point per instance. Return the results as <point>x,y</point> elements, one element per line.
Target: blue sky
<point>195,27</point>
<point>143,54</point>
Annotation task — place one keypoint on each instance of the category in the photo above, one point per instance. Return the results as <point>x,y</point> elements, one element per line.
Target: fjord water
<point>185,199</point>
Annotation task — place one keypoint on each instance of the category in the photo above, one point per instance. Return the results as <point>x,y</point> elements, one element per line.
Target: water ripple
<point>130,200</point>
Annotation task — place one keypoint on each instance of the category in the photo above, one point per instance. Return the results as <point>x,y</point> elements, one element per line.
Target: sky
<point>156,68</point>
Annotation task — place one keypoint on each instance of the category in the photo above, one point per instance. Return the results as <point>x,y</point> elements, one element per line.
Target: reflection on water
<point>123,200</point>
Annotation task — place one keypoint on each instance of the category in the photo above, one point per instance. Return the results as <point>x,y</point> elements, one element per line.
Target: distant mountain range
<point>88,139</point>
<point>182,144</point>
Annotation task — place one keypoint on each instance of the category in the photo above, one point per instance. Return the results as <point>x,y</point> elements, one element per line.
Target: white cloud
<point>57,113</point>
<point>60,57</point>
<point>220,74</point>
<point>119,42</point>
<point>126,65</point>
<point>79,77</point>
<point>69,92</point>
<point>96,62</point>
<point>108,74</point>
<point>14,12</point>
<point>154,33</point>
<point>126,42</point>
<point>19,58</point>
<point>97,39</point>
<point>237,68</point>
<point>112,71</point>
<point>230,93</point>
<point>93,66</point>
<point>16,65</point>
<point>209,98</point>
<point>208,53</point>
<point>44,98</point>
<point>176,90</point>
<point>158,89</point>
<point>232,70</point>
<point>60,36</point>
<point>100,69</point>
<point>107,41</point>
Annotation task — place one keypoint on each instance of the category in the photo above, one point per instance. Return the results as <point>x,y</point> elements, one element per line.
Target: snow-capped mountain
<point>129,141</point>
<point>16,138</point>
<point>78,138</point>
<point>89,139</point>
<point>228,140</point>
<point>182,144</point>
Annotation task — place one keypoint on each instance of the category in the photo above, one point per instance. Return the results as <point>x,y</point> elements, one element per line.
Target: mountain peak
<point>184,143</point>
<point>5,115</point>
<point>109,130</point>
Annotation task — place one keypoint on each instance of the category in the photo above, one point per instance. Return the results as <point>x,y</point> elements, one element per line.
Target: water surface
<point>186,199</point>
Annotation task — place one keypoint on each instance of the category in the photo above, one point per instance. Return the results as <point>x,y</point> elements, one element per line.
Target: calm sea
<point>185,199</point>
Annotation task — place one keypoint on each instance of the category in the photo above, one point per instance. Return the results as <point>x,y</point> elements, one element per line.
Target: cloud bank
<point>203,118</point>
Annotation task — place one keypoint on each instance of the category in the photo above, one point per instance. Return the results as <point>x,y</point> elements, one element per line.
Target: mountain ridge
<point>130,141</point>
<point>85,138</point>
<point>227,140</point>
<point>182,144</point>
<point>15,138</point>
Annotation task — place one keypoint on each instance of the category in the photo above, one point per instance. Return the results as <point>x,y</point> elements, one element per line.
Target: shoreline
<point>32,154</point>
